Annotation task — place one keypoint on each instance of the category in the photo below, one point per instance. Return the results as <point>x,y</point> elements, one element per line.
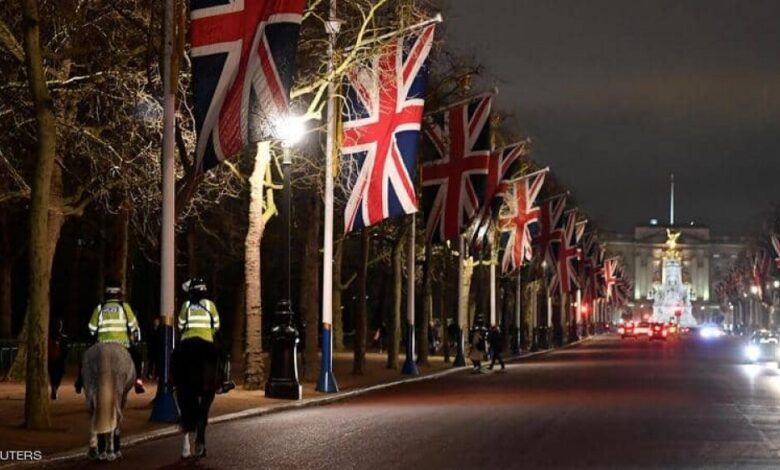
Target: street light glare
<point>290,130</point>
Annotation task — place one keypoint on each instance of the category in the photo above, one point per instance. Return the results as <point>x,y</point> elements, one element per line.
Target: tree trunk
<point>394,329</point>
<point>36,400</point>
<point>338,288</point>
<point>310,286</point>
<point>193,268</point>
<point>119,247</point>
<point>72,317</point>
<point>507,313</point>
<point>443,316</point>
<point>237,333</point>
<point>6,276</point>
<point>253,352</point>
<point>361,316</point>
<point>423,348</point>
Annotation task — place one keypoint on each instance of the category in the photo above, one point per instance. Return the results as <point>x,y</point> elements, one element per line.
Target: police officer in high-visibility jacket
<point>113,321</point>
<point>198,318</point>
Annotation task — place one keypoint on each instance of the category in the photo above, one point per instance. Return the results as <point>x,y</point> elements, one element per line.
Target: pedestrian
<point>496,343</point>
<point>198,318</point>
<point>477,340</point>
<point>154,349</point>
<point>58,352</point>
<point>114,322</point>
<point>380,337</point>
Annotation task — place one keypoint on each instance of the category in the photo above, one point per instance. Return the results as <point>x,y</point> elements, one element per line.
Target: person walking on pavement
<point>496,343</point>
<point>58,352</point>
<point>114,322</point>
<point>198,318</point>
<point>477,351</point>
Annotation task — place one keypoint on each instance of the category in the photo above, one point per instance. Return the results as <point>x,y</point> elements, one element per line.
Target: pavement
<point>605,403</point>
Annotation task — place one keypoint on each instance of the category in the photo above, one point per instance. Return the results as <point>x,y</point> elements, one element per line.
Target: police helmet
<point>113,290</point>
<point>197,286</point>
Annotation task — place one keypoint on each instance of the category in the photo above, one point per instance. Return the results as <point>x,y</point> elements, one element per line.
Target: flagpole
<point>409,367</point>
<point>578,312</point>
<point>492,292</point>
<point>327,380</point>
<point>518,309</point>
<point>460,360</point>
<point>164,407</point>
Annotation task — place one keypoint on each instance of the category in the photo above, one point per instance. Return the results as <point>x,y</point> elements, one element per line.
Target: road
<point>604,403</point>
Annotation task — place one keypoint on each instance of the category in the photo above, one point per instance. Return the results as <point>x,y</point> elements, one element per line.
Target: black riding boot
<point>227,384</point>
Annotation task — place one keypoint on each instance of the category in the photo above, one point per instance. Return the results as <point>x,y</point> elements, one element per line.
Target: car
<point>762,347</point>
<point>659,331</point>
<point>627,330</point>
<point>642,329</point>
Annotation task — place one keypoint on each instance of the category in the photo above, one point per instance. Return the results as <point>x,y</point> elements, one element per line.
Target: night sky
<point>616,94</point>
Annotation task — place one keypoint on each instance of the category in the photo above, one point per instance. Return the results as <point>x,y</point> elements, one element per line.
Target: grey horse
<point>109,375</point>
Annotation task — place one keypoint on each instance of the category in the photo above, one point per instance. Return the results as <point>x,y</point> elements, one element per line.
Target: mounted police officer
<point>198,318</point>
<point>113,321</point>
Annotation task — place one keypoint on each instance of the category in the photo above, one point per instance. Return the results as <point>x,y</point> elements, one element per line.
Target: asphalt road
<point>604,404</point>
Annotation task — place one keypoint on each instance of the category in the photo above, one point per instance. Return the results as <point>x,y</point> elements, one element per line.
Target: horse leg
<point>117,444</point>
<point>203,420</point>
<point>92,453</point>
<point>185,448</point>
<point>110,454</point>
<point>103,455</point>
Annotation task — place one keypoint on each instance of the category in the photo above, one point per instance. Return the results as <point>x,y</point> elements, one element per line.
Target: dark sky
<point>619,93</point>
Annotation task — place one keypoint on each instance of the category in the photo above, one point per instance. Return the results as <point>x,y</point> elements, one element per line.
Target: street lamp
<point>283,380</point>
<point>754,289</point>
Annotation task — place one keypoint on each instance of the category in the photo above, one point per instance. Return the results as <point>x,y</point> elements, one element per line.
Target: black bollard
<point>283,381</point>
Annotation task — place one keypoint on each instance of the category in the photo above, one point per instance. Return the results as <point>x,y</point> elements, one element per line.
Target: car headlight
<point>752,352</point>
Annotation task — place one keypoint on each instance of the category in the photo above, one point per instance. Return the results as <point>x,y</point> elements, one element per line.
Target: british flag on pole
<point>611,275</point>
<point>243,58</point>
<point>565,254</point>
<point>516,216</point>
<point>381,129</point>
<point>454,181</point>
<point>776,247</point>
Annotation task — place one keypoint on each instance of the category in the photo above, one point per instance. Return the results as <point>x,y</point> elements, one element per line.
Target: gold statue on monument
<point>671,244</point>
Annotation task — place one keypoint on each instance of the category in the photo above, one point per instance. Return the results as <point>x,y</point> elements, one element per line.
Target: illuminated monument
<point>672,297</point>
<point>700,261</point>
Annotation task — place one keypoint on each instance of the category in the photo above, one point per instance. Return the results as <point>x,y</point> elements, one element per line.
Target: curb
<point>269,410</point>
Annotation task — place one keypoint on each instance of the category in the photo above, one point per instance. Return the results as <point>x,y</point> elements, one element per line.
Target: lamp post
<point>283,380</point>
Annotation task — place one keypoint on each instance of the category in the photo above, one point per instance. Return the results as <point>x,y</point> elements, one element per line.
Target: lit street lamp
<point>283,380</point>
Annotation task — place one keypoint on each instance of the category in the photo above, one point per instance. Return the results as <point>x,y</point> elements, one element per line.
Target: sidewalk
<point>70,420</point>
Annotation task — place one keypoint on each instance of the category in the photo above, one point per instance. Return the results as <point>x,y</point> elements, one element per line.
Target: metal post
<point>460,359</point>
<point>409,367</point>
<point>327,380</point>
<point>518,311</point>
<point>164,409</point>
<point>578,313</point>
<point>492,293</point>
<point>283,379</point>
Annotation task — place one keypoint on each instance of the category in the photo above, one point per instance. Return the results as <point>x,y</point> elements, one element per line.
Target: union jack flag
<point>503,163</point>
<point>516,217</point>
<point>611,275</point>
<point>240,49</point>
<point>776,246</point>
<point>381,125</point>
<point>454,182</point>
<point>761,262</point>
<point>565,276</point>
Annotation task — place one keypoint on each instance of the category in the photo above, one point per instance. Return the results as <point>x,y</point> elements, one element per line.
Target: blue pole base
<point>326,382</point>
<point>164,409</point>
<point>409,367</point>
<point>460,360</point>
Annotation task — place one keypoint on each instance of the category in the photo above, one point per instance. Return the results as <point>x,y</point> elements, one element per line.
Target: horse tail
<point>105,406</point>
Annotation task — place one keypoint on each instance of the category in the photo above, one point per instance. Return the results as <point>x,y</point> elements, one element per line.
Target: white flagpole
<point>518,307</point>
<point>492,293</point>
<point>409,367</point>
<point>164,409</point>
<point>327,380</point>
<point>460,360</point>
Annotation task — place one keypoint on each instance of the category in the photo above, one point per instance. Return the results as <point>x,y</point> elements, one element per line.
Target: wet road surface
<point>606,403</point>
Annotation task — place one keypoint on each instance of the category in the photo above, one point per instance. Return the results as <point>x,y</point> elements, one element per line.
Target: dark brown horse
<point>196,377</point>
